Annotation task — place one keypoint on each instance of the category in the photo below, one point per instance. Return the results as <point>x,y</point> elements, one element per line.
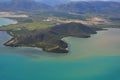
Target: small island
<point>50,39</point>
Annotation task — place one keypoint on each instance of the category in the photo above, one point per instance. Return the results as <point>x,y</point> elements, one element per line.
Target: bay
<point>6,21</point>
<point>95,58</point>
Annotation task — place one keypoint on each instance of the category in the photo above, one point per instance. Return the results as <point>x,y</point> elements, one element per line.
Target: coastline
<point>55,44</point>
<point>52,50</point>
<point>62,47</point>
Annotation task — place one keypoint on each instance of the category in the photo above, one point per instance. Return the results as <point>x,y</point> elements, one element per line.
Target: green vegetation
<point>27,23</point>
<point>36,21</point>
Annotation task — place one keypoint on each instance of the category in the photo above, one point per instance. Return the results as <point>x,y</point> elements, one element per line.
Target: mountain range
<point>54,2</point>
<point>103,7</point>
<point>48,2</point>
<point>23,5</point>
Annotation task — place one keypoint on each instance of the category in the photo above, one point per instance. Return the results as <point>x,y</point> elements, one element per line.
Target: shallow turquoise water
<point>5,21</point>
<point>95,58</point>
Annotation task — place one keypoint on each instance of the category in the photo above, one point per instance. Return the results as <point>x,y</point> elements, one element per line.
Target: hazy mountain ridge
<point>23,5</point>
<point>107,7</point>
<point>47,2</point>
<point>104,7</point>
<point>54,2</point>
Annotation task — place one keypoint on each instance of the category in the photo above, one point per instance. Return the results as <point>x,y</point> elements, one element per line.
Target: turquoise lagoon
<point>5,21</point>
<point>95,58</point>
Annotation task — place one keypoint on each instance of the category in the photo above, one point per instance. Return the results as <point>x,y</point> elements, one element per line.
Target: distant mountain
<point>4,0</point>
<point>22,5</point>
<point>48,2</point>
<point>82,7</point>
<point>105,7</point>
<point>54,2</point>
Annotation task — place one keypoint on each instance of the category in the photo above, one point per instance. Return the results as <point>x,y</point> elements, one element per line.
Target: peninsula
<point>50,39</point>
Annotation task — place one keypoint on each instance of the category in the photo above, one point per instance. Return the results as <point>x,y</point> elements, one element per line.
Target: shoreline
<point>42,49</point>
<point>62,47</point>
<point>55,49</point>
<point>52,50</point>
